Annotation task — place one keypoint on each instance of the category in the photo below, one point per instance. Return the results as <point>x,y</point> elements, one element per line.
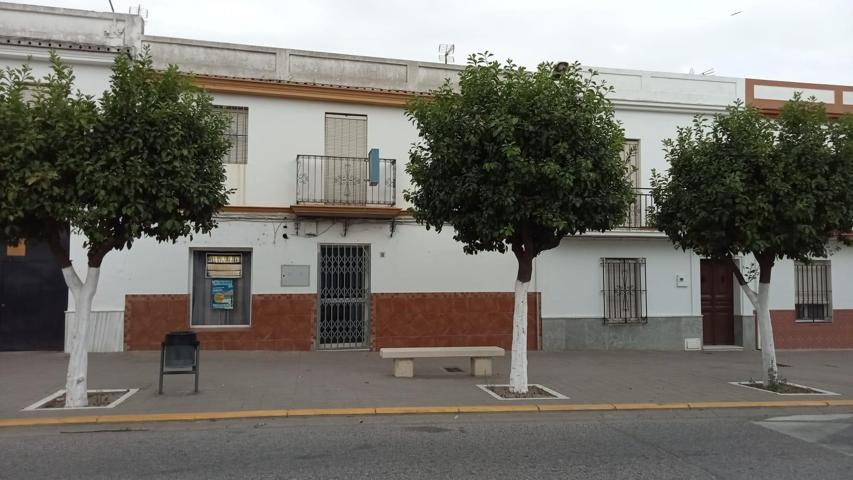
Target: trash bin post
<point>196,366</point>
<point>180,355</point>
<point>162,365</point>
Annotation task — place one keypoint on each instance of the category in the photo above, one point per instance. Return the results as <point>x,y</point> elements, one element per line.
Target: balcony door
<point>345,169</point>
<point>631,155</point>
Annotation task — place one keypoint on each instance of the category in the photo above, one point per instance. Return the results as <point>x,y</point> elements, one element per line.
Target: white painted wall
<point>782,287</point>
<point>570,276</point>
<point>280,129</point>
<point>91,70</point>
<point>651,129</point>
<point>415,260</point>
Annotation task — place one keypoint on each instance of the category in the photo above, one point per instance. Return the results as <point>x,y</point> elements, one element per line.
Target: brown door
<point>718,322</point>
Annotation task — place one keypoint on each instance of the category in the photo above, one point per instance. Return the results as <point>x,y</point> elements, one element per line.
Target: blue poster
<point>222,294</point>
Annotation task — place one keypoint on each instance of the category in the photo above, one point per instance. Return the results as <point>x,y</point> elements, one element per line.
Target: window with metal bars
<point>237,133</point>
<point>813,291</point>
<point>624,290</point>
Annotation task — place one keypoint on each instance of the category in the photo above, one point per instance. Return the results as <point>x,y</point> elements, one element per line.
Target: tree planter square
<point>104,398</point>
<point>757,385</point>
<point>534,392</point>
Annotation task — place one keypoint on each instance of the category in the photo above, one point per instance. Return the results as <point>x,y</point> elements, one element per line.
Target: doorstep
<point>722,348</point>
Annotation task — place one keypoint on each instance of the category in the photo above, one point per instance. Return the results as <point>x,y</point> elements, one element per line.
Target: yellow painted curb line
<point>651,406</point>
<point>760,404</point>
<point>576,407</point>
<point>315,412</point>
<point>414,410</point>
<point>499,408</point>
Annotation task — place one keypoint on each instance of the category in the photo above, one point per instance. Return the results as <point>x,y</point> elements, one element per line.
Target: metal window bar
<point>813,291</point>
<point>638,212</point>
<point>343,307</point>
<point>238,134</point>
<point>624,290</point>
<point>344,181</point>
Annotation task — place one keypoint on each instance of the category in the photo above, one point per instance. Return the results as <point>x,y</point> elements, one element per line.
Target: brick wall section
<point>448,319</point>
<point>788,333</point>
<point>279,322</point>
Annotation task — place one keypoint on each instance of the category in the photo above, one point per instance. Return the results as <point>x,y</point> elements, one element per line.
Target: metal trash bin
<point>179,355</point>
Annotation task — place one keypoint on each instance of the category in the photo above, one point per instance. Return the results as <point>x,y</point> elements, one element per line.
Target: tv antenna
<point>113,31</point>
<point>138,10</point>
<point>445,52</point>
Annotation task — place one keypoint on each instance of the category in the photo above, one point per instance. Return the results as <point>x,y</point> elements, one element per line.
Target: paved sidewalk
<point>232,381</point>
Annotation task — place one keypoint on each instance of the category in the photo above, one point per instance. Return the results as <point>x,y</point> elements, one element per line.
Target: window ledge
<point>812,321</point>
<point>221,327</point>
<point>620,324</point>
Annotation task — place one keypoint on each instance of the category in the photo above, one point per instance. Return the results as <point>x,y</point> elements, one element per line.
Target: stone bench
<point>404,358</point>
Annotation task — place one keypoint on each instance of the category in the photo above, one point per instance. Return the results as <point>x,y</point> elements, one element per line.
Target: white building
<point>319,259</point>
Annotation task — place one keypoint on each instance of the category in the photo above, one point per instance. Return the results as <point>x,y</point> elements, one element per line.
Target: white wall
<point>782,287</point>
<point>651,129</point>
<point>570,276</point>
<point>415,260</point>
<point>281,129</point>
<point>91,70</point>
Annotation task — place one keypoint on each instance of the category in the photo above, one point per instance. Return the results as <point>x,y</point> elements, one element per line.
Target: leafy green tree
<point>143,160</point>
<point>516,160</point>
<point>745,184</point>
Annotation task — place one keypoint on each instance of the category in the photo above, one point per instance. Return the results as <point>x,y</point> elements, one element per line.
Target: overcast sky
<point>798,40</point>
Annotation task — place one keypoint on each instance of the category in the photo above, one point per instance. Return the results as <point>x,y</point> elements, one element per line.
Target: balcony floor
<point>345,211</point>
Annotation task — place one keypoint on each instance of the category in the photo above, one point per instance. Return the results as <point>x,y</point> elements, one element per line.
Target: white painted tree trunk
<point>76,383</point>
<point>765,329</point>
<point>761,303</point>
<point>518,369</point>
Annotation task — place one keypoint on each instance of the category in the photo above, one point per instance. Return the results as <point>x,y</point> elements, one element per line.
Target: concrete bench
<point>404,358</point>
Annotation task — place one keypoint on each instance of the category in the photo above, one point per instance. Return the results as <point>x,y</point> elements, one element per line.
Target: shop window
<point>221,291</point>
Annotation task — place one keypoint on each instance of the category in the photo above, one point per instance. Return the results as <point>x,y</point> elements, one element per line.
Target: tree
<point>516,160</point>
<point>143,160</point>
<point>745,184</point>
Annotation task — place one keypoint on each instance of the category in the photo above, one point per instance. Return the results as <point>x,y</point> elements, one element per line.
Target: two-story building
<point>316,250</point>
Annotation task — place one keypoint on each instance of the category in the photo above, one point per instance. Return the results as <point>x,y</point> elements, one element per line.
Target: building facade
<point>315,250</point>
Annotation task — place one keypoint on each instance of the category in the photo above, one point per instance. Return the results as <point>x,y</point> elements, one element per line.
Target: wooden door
<point>718,322</point>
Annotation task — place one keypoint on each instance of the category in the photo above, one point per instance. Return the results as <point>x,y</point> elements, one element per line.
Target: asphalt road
<point>748,444</point>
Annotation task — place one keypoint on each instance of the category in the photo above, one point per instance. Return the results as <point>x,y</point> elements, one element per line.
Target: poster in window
<point>222,294</point>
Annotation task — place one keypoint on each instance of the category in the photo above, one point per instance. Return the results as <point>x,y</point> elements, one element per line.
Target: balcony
<point>638,212</point>
<point>341,187</point>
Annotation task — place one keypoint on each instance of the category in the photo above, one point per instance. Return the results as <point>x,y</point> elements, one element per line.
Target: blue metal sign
<point>373,160</point>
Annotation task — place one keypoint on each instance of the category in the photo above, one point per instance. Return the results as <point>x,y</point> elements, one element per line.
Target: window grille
<point>237,133</point>
<point>813,291</point>
<point>624,290</point>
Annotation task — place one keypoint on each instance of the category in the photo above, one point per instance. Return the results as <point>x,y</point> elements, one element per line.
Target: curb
<point>317,412</point>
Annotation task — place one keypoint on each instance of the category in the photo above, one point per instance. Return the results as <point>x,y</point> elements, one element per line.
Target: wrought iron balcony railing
<point>638,212</point>
<point>344,181</point>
